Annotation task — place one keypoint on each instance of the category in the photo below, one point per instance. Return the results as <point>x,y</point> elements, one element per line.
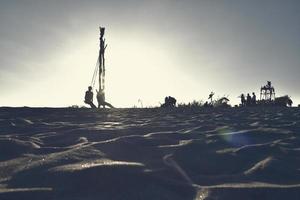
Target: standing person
<point>88,98</point>
<point>172,101</point>
<point>248,101</point>
<point>167,101</point>
<point>211,97</point>
<point>101,100</point>
<point>253,99</point>
<point>243,100</point>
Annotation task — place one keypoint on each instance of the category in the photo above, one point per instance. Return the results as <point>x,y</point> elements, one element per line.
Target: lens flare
<point>235,138</point>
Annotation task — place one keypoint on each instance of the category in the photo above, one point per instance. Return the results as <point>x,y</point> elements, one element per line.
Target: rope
<point>103,75</point>
<point>95,73</point>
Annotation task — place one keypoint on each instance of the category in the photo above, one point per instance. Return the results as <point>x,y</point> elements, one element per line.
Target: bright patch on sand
<point>12,190</point>
<point>94,163</point>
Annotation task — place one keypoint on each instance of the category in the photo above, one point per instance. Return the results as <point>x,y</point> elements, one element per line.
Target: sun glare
<point>140,70</point>
<point>136,72</point>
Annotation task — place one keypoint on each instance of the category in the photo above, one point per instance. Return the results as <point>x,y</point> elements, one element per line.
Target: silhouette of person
<point>172,101</point>
<point>243,100</point>
<point>88,98</point>
<point>166,101</point>
<point>169,102</point>
<point>101,100</point>
<point>205,104</point>
<point>248,101</point>
<point>253,99</point>
<point>211,97</point>
<point>271,89</point>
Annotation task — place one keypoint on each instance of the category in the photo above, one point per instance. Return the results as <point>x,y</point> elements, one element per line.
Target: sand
<point>236,153</point>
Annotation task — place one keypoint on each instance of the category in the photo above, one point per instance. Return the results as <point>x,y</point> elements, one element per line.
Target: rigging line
<point>94,80</point>
<point>95,73</point>
<point>103,75</point>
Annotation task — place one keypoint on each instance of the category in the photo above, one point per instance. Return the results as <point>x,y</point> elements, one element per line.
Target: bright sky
<point>158,48</point>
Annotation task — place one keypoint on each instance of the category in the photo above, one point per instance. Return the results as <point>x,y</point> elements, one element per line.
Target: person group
<point>248,101</point>
<point>169,102</point>
<point>89,95</point>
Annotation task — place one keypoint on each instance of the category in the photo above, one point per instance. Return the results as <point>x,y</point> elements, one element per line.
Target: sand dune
<point>150,153</point>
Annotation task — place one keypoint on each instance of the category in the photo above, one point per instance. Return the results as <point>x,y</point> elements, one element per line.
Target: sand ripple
<point>150,154</point>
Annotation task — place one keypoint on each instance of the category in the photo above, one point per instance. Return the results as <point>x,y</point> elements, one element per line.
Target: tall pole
<point>102,61</point>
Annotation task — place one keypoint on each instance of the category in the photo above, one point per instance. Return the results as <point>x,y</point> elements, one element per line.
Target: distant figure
<point>243,100</point>
<point>206,105</point>
<point>211,97</point>
<point>140,102</point>
<point>248,101</point>
<point>88,98</point>
<point>169,102</point>
<point>166,101</point>
<point>271,89</point>
<point>101,99</point>
<point>253,100</point>
<point>172,101</point>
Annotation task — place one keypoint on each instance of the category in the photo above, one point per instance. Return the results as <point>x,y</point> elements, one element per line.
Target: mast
<point>102,61</point>
<point>100,70</point>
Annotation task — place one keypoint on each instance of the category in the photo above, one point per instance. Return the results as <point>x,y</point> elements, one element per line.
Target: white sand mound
<point>259,166</point>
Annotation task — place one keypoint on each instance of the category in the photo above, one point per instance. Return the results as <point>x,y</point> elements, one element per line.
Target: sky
<point>156,48</point>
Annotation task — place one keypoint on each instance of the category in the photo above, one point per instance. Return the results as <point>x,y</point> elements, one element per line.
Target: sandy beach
<point>181,153</point>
